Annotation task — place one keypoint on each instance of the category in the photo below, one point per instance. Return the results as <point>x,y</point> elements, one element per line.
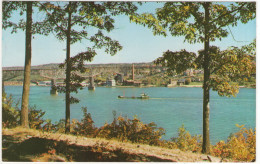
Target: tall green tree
<point>199,22</point>
<point>9,7</point>
<point>76,21</point>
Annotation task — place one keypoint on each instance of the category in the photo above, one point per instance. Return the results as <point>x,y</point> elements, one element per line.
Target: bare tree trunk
<point>27,67</point>
<point>68,72</point>
<point>206,87</point>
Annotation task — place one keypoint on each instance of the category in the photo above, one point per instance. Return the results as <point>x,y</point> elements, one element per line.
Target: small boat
<point>142,96</point>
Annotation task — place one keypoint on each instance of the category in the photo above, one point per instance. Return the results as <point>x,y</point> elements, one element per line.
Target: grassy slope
<point>31,145</point>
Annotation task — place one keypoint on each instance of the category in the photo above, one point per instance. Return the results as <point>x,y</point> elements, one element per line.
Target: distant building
<point>171,83</point>
<point>111,83</point>
<point>181,82</point>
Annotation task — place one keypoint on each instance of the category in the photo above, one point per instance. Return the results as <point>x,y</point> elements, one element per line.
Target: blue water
<point>168,107</point>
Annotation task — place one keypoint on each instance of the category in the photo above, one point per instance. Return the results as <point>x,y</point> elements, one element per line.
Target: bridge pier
<point>91,83</point>
<point>54,90</point>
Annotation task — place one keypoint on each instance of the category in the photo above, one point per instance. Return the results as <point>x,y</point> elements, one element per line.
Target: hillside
<point>31,145</point>
<point>56,65</point>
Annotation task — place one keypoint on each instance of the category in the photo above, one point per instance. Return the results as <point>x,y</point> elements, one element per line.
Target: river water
<point>167,107</point>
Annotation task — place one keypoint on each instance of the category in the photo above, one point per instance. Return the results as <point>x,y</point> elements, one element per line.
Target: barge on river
<point>142,96</point>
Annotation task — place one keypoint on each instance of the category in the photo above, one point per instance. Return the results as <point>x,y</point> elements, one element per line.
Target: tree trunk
<point>68,72</point>
<point>27,67</point>
<point>206,87</point>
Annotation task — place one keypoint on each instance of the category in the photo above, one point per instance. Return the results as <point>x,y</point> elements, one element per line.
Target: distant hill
<point>56,65</point>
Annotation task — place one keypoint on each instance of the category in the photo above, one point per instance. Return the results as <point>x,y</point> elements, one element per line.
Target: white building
<point>111,83</point>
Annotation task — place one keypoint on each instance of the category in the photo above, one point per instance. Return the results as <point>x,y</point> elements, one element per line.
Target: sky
<point>139,43</point>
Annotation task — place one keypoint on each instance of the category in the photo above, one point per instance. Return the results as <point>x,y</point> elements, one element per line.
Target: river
<point>167,107</point>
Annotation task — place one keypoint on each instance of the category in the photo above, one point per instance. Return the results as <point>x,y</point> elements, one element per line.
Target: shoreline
<point>150,86</point>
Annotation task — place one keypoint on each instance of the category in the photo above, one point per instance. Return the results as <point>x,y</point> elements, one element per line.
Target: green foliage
<point>10,114</point>
<point>35,118</point>
<point>231,66</point>
<point>177,62</point>
<point>11,117</point>
<point>57,127</point>
<point>175,17</point>
<point>8,10</point>
<point>149,20</point>
<point>227,68</point>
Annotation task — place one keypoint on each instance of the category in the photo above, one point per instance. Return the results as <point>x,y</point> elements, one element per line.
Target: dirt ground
<point>31,145</point>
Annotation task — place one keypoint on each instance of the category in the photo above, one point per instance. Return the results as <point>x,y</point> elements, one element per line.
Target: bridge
<point>40,74</point>
<point>10,74</point>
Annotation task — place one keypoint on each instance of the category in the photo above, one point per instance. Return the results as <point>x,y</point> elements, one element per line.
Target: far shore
<point>16,83</point>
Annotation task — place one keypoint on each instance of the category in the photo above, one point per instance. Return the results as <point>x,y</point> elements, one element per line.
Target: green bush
<point>10,114</point>
<point>35,118</point>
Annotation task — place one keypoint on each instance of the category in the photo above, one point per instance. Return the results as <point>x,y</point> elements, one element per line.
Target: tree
<point>73,22</point>
<point>27,66</point>
<point>202,22</point>
<point>30,28</point>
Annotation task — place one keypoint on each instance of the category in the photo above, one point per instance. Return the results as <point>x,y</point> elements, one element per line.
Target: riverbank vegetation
<point>240,146</point>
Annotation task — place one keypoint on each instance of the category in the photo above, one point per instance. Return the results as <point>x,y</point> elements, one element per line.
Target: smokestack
<point>133,71</point>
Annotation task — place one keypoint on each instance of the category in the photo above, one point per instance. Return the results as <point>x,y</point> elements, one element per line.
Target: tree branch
<point>216,69</point>
<point>62,28</point>
<point>230,12</point>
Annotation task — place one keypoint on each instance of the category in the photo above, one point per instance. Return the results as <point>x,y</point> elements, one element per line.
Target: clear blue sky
<point>139,43</point>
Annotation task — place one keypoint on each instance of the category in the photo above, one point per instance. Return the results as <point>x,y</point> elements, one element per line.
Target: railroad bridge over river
<point>10,73</point>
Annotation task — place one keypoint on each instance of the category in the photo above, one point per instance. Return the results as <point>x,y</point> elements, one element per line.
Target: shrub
<point>57,127</point>
<point>35,118</point>
<point>240,146</point>
<point>186,142</point>
<point>125,129</point>
<point>10,114</point>
<point>85,126</point>
<point>187,81</point>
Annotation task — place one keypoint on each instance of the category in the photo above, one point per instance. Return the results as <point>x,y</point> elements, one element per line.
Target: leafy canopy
<point>14,14</point>
<point>187,19</point>
<point>227,67</point>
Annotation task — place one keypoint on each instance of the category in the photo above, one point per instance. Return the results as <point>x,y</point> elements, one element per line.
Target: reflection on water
<point>167,107</point>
